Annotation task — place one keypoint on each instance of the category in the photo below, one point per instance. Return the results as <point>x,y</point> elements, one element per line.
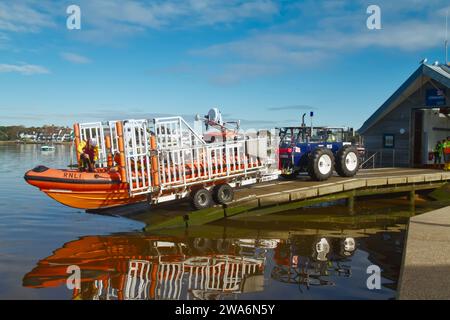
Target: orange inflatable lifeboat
<point>84,190</point>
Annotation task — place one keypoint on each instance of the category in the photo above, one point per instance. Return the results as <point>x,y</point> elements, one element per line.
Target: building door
<point>417,138</point>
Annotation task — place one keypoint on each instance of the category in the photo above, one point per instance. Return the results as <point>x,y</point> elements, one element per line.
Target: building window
<point>388,141</point>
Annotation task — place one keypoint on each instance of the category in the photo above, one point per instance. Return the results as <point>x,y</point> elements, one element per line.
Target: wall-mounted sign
<point>435,97</point>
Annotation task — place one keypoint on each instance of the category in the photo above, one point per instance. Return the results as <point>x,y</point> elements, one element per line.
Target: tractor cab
<point>318,151</point>
<point>290,136</point>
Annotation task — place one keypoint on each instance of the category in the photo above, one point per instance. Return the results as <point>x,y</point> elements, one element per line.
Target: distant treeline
<point>11,133</point>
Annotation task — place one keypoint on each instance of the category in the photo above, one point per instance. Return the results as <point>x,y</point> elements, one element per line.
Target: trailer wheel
<point>347,161</point>
<point>223,193</point>
<point>201,199</point>
<point>320,164</point>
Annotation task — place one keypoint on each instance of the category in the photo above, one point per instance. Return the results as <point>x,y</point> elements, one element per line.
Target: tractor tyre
<point>223,193</point>
<point>347,161</point>
<point>320,164</point>
<point>201,199</point>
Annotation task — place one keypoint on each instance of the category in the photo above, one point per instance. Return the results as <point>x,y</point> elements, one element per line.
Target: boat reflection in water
<point>145,266</point>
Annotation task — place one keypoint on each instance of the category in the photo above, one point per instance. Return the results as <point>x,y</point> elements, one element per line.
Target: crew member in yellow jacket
<point>88,151</point>
<point>446,148</point>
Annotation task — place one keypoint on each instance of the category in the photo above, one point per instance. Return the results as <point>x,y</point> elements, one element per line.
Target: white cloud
<point>25,69</point>
<point>24,16</point>
<point>104,21</point>
<point>75,58</point>
<point>336,31</point>
<point>300,49</point>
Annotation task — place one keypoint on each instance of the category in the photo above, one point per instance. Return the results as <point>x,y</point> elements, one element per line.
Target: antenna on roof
<point>446,38</point>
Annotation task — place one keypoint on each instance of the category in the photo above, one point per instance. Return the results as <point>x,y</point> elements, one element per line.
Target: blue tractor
<point>318,151</point>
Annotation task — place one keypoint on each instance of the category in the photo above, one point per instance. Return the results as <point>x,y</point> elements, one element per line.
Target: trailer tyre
<point>201,199</point>
<point>223,193</point>
<point>320,164</point>
<point>347,161</point>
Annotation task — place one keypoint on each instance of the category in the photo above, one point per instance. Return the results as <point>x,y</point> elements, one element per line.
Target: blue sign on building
<point>435,97</point>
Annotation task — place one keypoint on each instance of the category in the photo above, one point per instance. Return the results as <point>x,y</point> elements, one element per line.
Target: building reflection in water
<point>144,266</point>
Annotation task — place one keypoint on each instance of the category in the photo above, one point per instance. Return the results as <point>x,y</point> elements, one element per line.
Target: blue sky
<point>262,61</point>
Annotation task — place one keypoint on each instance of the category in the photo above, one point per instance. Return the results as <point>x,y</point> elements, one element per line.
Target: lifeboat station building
<point>405,129</point>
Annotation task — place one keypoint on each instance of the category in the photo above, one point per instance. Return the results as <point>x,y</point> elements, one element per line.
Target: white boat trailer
<point>165,159</point>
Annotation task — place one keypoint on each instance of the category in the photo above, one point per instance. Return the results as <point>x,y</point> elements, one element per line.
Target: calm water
<point>308,254</point>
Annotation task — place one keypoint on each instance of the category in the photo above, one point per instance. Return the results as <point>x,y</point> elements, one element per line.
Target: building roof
<point>440,73</point>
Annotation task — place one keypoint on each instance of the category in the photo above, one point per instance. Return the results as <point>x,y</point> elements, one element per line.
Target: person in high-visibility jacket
<point>88,151</point>
<point>438,152</point>
<point>446,148</point>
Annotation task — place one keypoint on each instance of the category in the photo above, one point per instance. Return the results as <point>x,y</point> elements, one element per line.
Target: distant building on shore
<point>37,134</point>
<point>404,130</point>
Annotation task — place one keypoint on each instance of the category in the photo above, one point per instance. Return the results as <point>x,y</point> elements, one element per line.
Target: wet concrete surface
<point>426,263</point>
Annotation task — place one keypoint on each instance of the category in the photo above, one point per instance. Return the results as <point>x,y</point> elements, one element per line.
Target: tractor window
<point>335,135</point>
<point>290,136</point>
<point>318,135</point>
<point>294,135</point>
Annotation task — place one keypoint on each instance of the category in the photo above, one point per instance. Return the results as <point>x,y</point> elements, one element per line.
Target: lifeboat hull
<point>82,190</point>
<point>93,200</point>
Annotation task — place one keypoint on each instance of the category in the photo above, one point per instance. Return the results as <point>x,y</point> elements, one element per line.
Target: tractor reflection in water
<point>310,264</point>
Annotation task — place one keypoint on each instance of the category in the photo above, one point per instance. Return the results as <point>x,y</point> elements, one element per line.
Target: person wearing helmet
<point>88,151</point>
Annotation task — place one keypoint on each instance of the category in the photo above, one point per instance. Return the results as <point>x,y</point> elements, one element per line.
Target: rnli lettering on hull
<point>72,175</point>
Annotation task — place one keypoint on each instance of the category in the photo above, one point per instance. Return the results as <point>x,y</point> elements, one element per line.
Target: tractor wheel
<point>201,199</point>
<point>223,193</point>
<point>347,161</point>
<point>320,164</point>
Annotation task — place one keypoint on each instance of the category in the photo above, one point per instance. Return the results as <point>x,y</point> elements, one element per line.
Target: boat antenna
<point>446,38</point>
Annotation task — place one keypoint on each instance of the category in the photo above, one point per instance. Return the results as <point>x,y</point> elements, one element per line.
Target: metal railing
<point>137,151</point>
<point>382,158</point>
<point>186,166</point>
<point>94,130</point>
<point>169,151</point>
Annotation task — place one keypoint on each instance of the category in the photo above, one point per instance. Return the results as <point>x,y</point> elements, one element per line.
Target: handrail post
<point>123,174</point>
<point>381,158</point>
<point>393,158</point>
<point>76,131</point>
<point>154,161</point>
